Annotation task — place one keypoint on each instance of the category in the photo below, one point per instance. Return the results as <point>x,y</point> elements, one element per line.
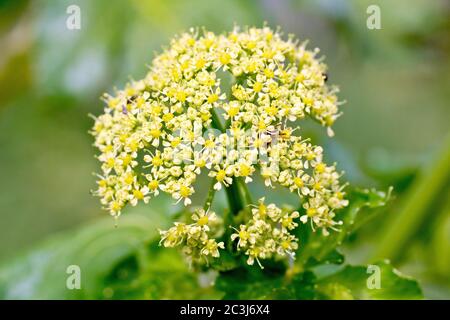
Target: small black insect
<point>325,76</point>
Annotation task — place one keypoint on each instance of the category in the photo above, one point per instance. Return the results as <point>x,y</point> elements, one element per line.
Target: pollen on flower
<point>153,185</point>
<point>225,58</point>
<point>220,176</point>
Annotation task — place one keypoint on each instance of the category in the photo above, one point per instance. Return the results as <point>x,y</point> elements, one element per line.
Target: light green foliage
<point>127,263</point>
<point>96,249</point>
<point>351,283</point>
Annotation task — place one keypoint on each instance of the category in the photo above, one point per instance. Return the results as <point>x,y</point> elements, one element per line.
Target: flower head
<point>155,135</point>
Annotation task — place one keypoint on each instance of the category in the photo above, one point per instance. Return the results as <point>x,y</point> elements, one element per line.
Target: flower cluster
<point>195,238</point>
<point>156,135</point>
<point>267,233</point>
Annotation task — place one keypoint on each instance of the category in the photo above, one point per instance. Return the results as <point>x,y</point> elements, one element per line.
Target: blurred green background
<point>395,128</point>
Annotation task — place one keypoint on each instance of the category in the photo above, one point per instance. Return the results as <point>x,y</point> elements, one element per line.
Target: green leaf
<point>359,282</point>
<point>349,282</point>
<point>96,249</point>
<point>315,248</point>
<point>253,283</point>
<point>304,286</point>
<point>272,282</point>
<point>157,273</point>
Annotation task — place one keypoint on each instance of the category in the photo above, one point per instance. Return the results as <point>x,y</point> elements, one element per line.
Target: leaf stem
<point>210,197</point>
<point>416,206</point>
<point>245,191</point>
<point>216,122</point>
<point>234,198</point>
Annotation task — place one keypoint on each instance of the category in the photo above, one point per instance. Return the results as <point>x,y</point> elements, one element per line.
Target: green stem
<point>234,197</point>
<point>210,197</point>
<point>415,208</point>
<point>245,191</point>
<point>216,122</point>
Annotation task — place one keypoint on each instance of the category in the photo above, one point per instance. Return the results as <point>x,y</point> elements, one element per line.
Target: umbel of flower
<point>154,134</point>
<point>195,238</point>
<point>267,233</point>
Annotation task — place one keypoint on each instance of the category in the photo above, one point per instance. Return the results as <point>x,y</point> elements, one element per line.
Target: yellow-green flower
<point>155,134</point>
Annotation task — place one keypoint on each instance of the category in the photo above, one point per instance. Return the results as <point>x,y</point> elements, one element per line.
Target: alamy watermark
<point>374,280</point>
<point>73,281</point>
<point>373,21</point>
<point>73,21</point>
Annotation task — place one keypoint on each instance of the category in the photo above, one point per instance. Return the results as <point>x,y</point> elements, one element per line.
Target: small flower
<point>244,170</point>
<point>222,178</point>
<point>204,218</point>
<point>243,235</point>
<point>212,248</point>
<point>139,194</point>
<point>183,192</point>
<point>174,236</point>
<point>287,220</point>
